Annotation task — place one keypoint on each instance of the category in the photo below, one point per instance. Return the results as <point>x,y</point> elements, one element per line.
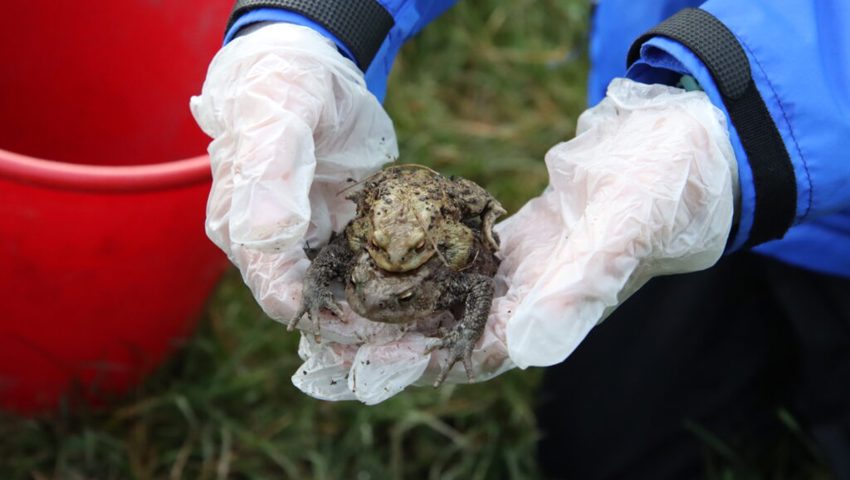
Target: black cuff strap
<point>362,25</point>
<point>773,173</point>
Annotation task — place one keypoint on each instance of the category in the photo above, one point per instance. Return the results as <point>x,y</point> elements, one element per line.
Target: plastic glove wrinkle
<point>645,189</point>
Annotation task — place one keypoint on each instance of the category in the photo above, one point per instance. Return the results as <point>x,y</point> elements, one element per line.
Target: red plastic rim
<point>107,179</point>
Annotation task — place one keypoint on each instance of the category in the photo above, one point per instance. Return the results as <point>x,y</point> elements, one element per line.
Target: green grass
<point>483,93</point>
<point>225,408</point>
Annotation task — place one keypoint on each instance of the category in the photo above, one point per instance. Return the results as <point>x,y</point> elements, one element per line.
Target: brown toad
<point>420,243</point>
<point>405,212</point>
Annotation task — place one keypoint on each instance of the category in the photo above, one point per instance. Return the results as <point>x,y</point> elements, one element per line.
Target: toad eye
<point>420,244</point>
<point>406,296</point>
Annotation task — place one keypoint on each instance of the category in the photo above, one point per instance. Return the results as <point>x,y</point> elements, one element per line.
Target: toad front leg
<point>333,261</point>
<point>476,292</point>
<point>476,202</point>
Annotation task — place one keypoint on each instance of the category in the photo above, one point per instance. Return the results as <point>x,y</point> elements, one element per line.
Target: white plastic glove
<point>292,122</point>
<point>646,188</point>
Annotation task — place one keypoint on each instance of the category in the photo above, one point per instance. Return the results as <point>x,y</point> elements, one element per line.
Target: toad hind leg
<point>460,341</point>
<point>332,261</point>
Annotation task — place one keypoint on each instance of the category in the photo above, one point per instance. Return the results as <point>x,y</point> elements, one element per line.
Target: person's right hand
<point>291,121</point>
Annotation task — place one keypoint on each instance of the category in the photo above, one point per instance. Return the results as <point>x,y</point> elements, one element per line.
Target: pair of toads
<point>420,243</point>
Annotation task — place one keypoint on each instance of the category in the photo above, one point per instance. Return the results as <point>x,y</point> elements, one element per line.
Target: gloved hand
<point>646,188</point>
<point>292,122</point>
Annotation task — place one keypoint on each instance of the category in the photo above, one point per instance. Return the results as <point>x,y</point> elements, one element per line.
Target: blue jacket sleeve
<point>799,57</point>
<point>408,18</point>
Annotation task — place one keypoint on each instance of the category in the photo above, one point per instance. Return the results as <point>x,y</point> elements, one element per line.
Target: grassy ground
<point>225,408</point>
<point>482,93</point>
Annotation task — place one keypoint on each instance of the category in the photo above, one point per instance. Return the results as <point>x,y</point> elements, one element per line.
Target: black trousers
<point>695,366</point>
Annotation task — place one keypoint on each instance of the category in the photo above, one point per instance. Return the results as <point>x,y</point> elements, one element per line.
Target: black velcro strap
<point>773,173</point>
<point>362,25</point>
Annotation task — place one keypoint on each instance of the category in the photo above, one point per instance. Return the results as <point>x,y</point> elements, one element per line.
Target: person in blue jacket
<point>767,327</point>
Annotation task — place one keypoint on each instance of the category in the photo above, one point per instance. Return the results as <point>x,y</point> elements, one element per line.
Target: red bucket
<point>104,265</point>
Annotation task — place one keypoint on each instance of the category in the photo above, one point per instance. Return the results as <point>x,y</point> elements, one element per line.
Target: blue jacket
<point>798,55</point>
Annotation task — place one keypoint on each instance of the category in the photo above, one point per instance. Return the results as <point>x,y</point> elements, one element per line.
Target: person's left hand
<point>646,188</point>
